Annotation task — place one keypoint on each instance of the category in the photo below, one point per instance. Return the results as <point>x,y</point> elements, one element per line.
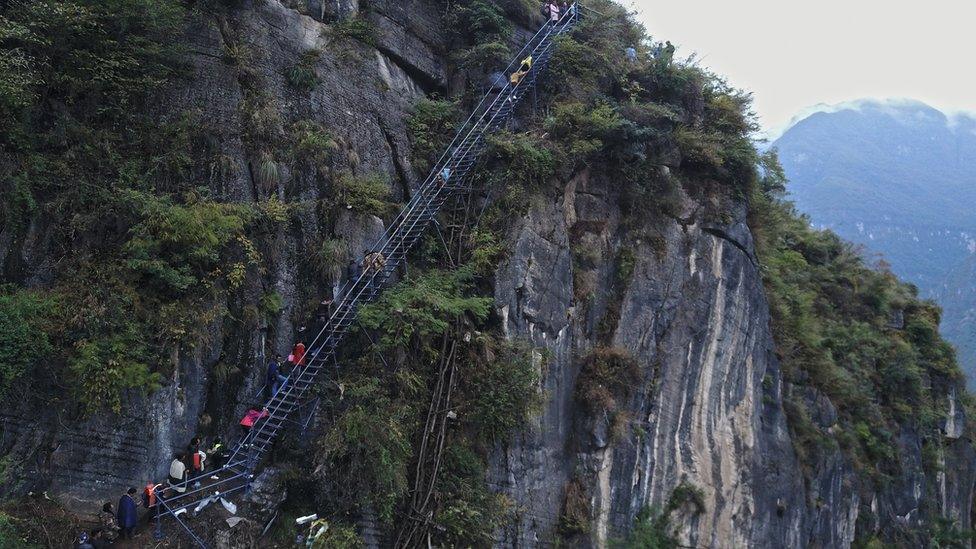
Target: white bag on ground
<point>231,508</point>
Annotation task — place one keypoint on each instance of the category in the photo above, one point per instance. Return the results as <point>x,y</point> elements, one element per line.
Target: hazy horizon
<point>796,57</point>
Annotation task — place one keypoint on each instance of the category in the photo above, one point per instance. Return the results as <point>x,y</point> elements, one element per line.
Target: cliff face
<point>365,98</point>
<point>708,408</point>
<point>694,317</point>
<point>701,431</point>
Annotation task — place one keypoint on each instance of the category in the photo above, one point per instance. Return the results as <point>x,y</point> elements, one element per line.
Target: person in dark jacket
<point>274,376</point>
<point>195,458</point>
<point>128,516</point>
<point>353,270</point>
<point>219,453</point>
<point>667,55</point>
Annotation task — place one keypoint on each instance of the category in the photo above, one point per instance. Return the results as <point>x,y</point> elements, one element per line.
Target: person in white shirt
<point>177,474</point>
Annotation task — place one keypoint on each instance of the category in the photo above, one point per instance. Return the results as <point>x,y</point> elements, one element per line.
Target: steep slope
<point>897,178</point>
<point>601,343</point>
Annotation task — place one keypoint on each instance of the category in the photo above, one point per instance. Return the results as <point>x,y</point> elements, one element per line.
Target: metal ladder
<point>457,162</point>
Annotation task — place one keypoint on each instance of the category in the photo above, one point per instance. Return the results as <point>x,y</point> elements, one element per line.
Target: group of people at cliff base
<point>119,522</point>
<point>188,467</point>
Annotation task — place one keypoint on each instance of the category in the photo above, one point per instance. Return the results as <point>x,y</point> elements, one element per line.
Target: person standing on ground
<point>177,473</point>
<point>217,452</point>
<point>149,500</point>
<point>667,55</point>
<point>323,313</point>
<point>287,368</point>
<point>109,527</point>
<point>128,516</point>
<point>631,53</point>
<point>195,461</point>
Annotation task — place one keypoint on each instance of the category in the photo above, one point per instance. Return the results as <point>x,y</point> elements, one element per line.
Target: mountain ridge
<point>896,178</point>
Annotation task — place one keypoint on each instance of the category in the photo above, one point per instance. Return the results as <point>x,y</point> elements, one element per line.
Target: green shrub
<point>367,453</point>
<point>479,33</point>
<point>478,22</point>
<point>607,378</point>
<point>270,172</point>
<point>301,75</point>
<point>470,514</point>
<point>102,369</point>
<point>501,393</point>
<point>329,259</point>
<point>358,29</point>
<point>574,519</point>
<point>339,536</point>
<point>26,333</point>
<point>576,69</point>
<point>271,304</point>
<point>830,318</point>
<point>484,56</point>
<point>98,61</point>
<point>582,132</point>
<point>112,52</point>
<point>520,160</point>
<point>423,306</point>
<point>651,531</point>
<point>312,142</point>
<point>946,532</point>
<point>177,247</point>
<point>653,528</point>
<point>17,86</point>
<point>11,536</point>
<point>363,194</point>
<point>432,126</point>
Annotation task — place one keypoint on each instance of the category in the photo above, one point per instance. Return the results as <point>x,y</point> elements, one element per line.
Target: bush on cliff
<point>27,333</point>
<point>832,321</point>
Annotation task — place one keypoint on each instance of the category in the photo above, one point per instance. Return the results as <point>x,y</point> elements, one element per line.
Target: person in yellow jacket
<point>523,69</point>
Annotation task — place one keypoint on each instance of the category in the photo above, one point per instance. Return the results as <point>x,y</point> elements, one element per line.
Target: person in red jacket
<point>299,353</point>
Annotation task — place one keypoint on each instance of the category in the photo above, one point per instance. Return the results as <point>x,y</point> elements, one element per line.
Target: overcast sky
<point>794,55</point>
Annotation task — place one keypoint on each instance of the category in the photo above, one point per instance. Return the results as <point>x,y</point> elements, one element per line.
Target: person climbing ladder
<point>523,70</point>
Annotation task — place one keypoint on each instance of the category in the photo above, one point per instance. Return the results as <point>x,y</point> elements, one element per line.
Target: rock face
<point>706,414</point>
<point>365,97</point>
<point>707,411</point>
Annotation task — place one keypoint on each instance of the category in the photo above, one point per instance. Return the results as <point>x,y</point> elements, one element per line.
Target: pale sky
<point>795,55</point>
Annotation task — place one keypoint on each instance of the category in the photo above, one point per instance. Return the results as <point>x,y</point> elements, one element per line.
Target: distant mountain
<point>900,179</point>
